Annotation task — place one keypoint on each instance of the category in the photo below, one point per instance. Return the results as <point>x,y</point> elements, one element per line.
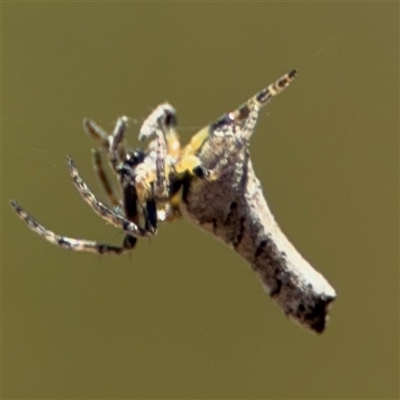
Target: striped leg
<point>161,123</point>
<point>70,243</point>
<point>105,183</point>
<point>100,209</point>
<point>113,143</point>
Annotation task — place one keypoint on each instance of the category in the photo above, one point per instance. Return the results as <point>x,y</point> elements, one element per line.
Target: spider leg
<point>113,143</point>
<point>96,133</point>
<point>144,182</point>
<point>105,183</point>
<point>123,163</point>
<point>99,208</point>
<point>130,209</point>
<point>161,184</point>
<point>150,216</point>
<point>163,115</point>
<point>162,118</point>
<point>71,243</point>
<point>106,142</point>
<point>116,152</point>
<point>161,123</point>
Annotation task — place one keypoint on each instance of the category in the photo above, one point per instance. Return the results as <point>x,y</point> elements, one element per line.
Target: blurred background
<point>183,316</point>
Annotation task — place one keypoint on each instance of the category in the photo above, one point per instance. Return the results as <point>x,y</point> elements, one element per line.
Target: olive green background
<point>183,316</point>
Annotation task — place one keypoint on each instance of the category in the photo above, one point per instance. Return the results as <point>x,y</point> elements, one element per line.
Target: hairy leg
<point>70,243</point>
<point>105,183</point>
<point>99,208</point>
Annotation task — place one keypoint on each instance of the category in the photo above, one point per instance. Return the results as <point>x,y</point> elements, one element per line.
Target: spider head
<point>134,157</point>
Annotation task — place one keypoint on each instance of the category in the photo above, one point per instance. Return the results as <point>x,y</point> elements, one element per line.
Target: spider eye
<point>135,157</point>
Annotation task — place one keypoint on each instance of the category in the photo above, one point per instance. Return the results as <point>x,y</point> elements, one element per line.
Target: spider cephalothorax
<point>151,180</point>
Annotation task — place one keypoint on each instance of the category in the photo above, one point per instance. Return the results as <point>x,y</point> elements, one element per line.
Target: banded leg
<point>105,183</point>
<point>99,208</point>
<point>163,119</point>
<point>93,130</point>
<point>97,133</point>
<point>111,143</point>
<point>161,123</point>
<point>144,181</point>
<point>67,242</point>
<point>161,183</point>
<point>116,152</point>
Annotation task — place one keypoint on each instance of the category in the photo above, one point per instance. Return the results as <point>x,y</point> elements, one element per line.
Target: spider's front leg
<point>123,163</point>
<point>105,183</point>
<point>162,118</point>
<point>100,209</point>
<point>165,148</point>
<point>69,243</point>
<point>143,180</point>
<point>112,144</point>
<point>153,178</point>
<point>116,153</point>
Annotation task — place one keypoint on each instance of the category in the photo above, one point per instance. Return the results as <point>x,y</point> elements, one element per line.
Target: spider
<point>152,181</point>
